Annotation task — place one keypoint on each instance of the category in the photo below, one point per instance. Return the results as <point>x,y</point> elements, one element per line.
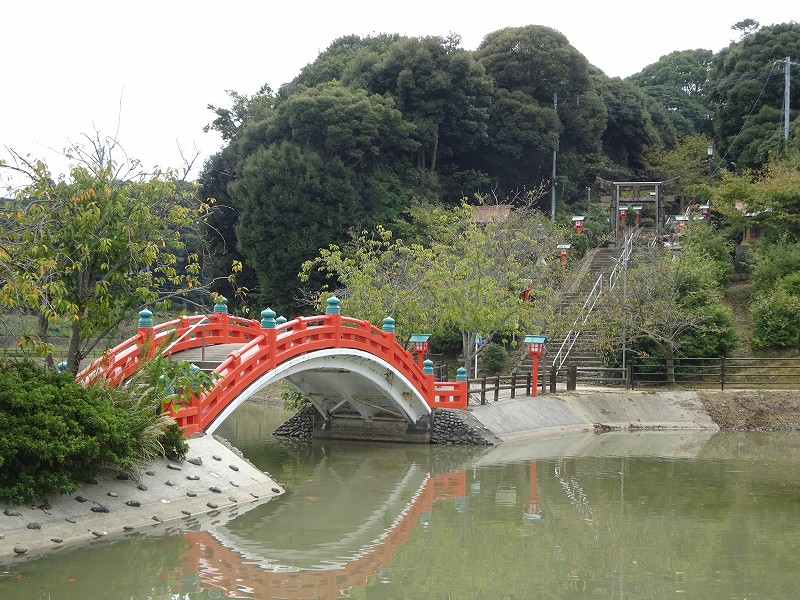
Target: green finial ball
<point>268,319</point>
<point>427,367</point>
<point>388,325</point>
<point>145,318</point>
<point>222,305</point>
<point>461,374</point>
<point>280,320</point>
<point>333,306</point>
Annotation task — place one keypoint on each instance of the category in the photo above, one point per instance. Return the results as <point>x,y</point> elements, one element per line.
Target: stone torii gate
<point>637,186</point>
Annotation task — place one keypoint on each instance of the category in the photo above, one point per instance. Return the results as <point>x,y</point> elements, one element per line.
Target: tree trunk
<point>74,353</point>
<point>669,358</point>
<point>435,150</point>
<point>44,326</point>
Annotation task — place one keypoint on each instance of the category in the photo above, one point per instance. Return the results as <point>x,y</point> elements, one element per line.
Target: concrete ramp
<point>664,444</point>
<point>528,417</point>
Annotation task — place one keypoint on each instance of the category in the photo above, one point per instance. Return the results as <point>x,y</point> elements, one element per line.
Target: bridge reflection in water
<point>344,521</point>
<point>340,564</point>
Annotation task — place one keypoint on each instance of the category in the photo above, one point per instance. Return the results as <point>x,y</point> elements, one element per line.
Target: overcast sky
<point>145,71</point>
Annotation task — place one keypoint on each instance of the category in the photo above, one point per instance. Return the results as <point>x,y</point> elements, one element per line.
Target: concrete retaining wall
<point>592,411</point>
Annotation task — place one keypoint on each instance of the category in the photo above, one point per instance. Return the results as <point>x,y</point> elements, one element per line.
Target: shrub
<point>776,321</point>
<point>494,359</point>
<point>791,284</point>
<point>580,244</point>
<point>293,399</point>
<point>55,433</point>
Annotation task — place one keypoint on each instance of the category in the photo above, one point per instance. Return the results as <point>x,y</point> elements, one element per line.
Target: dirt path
<point>753,410</point>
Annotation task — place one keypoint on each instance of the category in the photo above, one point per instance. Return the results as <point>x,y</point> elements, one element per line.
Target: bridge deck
<point>208,357</point>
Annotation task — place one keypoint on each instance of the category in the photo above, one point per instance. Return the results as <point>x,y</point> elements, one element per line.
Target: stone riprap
<point>449,427</point>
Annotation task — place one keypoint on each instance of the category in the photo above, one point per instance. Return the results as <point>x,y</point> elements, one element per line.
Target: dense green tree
<point>466,277</point>
<point>324,159</point>
<point>95,245</point>
<point>631,130</point>
<point>678,82</point>
<point>439,88</point>
<point>363,130</point>
<point>746,88</point>
<point>535,60</point>
<point>340,59</point>
<point>529,65</point>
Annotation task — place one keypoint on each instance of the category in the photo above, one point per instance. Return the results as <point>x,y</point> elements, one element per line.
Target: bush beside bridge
<point>57,433</point>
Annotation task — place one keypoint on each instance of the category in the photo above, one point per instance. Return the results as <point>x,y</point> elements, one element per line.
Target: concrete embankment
<point>591,410</point>
<point>214,482</point>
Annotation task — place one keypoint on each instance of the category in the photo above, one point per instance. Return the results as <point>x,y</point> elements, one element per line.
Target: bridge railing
<point>265,344</point>
<point>276,344</point>
<point>183,333</point>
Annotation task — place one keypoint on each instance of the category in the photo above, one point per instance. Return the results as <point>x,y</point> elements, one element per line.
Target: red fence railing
<point>263,349</point>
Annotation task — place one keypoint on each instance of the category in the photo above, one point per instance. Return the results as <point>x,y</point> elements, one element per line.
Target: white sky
<point>146,70</point>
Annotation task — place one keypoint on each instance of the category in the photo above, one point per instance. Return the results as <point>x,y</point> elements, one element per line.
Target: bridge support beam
<point>381,428</point>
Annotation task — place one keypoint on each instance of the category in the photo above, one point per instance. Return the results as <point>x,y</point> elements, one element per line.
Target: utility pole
<point>553,182</point>
<point>786,97</point>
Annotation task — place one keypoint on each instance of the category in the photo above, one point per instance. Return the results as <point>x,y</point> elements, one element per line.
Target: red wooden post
<point>269,329</point>
<point>145,333</point>
<point>535,349</point>
<point>221,315</point>
<point>334,314</point>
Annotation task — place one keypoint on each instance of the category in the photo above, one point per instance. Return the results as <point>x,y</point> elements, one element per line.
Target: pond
<point>617,515</point>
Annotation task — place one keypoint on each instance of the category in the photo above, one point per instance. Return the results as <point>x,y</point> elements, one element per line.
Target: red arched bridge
<point>362,382</point>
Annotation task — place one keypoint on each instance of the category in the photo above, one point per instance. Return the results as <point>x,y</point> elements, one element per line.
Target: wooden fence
<point>693,373</point>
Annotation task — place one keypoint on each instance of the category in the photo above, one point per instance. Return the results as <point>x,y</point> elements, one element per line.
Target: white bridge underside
<point>343,382</point>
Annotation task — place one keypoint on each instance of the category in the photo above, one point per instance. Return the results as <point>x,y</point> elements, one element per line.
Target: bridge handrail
<point>262,350</point>
<point>121,361</point>
<point>591,299</point>
<point>301,336</point>
<point>572,336</point>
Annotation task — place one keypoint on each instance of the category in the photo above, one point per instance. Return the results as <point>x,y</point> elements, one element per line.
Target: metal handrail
<point>591,299</point>
<point>572,336</point>
<point>201,323</point>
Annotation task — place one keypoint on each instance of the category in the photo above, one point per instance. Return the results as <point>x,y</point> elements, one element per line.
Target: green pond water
<point>620,515</point>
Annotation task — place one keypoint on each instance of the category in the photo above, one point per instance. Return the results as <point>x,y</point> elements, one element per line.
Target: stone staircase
<point>586,348</point>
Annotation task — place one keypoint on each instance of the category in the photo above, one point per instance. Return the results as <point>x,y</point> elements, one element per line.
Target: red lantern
<point>536,350</point>
<point>563,251</point>
<point>419,343</point>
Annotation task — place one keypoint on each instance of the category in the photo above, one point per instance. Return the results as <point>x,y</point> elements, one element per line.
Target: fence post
<point>513,385</point>
<point>270,332</point>
<point>572,377</point>
<point>553,375</point>
<point>722,373</point>
<point>483,390</point>
<point>497,388</point>
<point>145,331</point>
<point>629,376</point>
